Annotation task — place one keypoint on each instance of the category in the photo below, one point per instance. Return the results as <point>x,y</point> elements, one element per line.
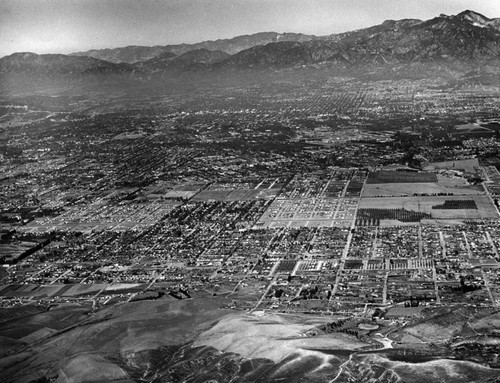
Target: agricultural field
<point>425,204</point>
<point>372,217</point>
<point>395,176</point>
<point>444,185</point>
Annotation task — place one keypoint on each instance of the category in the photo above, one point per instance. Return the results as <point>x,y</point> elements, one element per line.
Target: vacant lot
<point>236,194</point>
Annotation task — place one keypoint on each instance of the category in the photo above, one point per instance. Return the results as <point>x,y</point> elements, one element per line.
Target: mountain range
<point>133,54</point>
<point>454,45</point>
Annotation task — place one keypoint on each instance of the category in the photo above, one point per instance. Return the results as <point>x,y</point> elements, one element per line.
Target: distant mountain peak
<point>475,18</point>
<point>472,15</point>
<point>478,20</point>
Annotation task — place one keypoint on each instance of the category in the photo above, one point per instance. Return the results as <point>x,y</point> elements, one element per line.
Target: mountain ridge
<point>59,63</point>
<point>132,53</point>
<point>449,46</point>
<point>441,39</point>
<point>191,60</point>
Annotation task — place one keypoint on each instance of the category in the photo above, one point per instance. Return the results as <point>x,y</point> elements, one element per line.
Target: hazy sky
<point>63,26</point>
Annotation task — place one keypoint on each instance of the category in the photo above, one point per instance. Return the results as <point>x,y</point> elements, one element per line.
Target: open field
<point>455,186</point>
<point>468,165</point>
<point>167,337</point>
<point>7,314</point>
<point>433,370</point>
<point>64,290</point>
<point>15,250</point>
<point>184,191</point>
<point>273,337</point>
<point>34,290</point>
<point>235,195</point>
<point>245,195</point>
<point>424,204</point>
<point>100,341</point>
<point>55,319</point>
<point>96,367</point>
<point>216,195</point>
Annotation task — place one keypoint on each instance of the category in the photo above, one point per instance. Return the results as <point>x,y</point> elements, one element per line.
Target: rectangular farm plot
<point>438,207</point>
<point>392,176</point>
<point>455,186</point>
<point>285,266</point>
